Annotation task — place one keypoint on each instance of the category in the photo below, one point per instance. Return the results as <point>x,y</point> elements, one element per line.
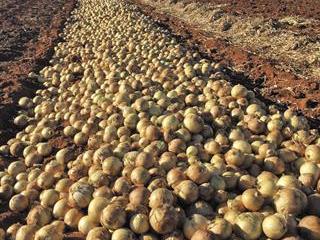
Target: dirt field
<point>29,30</point>
<point>272,47</point>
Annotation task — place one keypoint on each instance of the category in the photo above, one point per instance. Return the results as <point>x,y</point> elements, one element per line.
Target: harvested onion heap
<point>159,145</point>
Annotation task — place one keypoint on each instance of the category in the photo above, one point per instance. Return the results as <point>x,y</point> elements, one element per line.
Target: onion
<point>148,236</point>
<point>187,191</point>
<point>290,201</point>
<point>175,176</point>
<point>80,194</point>
<point>85,224</point>
<point>12,230</point>
<point>163,220</point>
<point>312,153</point>
<point>274,226</point>
<point>60,208</point>
<point>220,228</point>
<point>112,166</point>
<point>139,223</point>
<point>49,197</point>
<point>140,195</point>
<point>234,157</point>
<point>26,232</point>
<point>170,123</point>
<point>160,197</point>
<point>98,233</point>
<point>249,226</point>
<point>113,217</point>
<point>200,207</point>
<point>18,203</point>
<point>198,173</point>
<point>95,208</point>
<point>49,232</point>
<point>123,234</point>
<point>252,199</point>
<point>39,216</point>
<point>72,217</point>
<point>193,123</point>
<point>145,160</point>
<point>140,176</point>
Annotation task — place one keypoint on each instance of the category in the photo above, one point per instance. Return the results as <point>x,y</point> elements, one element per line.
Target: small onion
<point>18,203</point>
<point>72,217</point>
<point>26,232</point>
<point>95,208</point>
<point>139,223</point>
<point>274,226</point>
<point>85,224</point>
<point>98,233</point>
<point>249,226</point>
<point>123,234</point>
<point>163,220</point>
<point>113,217</point>
<point>220,228</point>
<point>160,197</point>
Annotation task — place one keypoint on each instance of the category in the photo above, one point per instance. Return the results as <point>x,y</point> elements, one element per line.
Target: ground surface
<point>273,46</point>
<point>28,32</point>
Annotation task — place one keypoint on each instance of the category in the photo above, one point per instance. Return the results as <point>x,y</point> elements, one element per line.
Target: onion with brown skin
<point>163,220</point>
<point>290,201</point>
<point>60,208</point>
<point>140,176</point>
<point>39,216</point>
<point>187,191</point>
<point>113,217</point>
<point>160,197</point>
<point>145,160</point>
<point>234,157</point>
<point>175,176</point>
<point>198,173</point>
<point>140,195</point>
<point>112,166</point>
<point>98,233</point>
